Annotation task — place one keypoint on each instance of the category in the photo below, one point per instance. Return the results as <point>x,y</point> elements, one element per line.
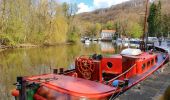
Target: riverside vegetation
<point>47,22</point>
<point>41,22</point>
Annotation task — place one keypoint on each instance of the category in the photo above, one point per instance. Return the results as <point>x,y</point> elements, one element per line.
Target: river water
<point>34,61</point>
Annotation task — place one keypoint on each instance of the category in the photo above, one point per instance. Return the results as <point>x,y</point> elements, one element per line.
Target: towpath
<point>150,89</point>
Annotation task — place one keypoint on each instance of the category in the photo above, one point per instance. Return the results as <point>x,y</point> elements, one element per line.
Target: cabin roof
<point>73,86</point>
<point>143,55</point>
<point>131,52</point>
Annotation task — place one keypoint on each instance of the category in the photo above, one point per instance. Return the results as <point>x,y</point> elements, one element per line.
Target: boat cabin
<point>127,64</point>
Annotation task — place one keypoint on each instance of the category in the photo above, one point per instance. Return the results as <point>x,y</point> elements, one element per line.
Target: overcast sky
<point>90,5</point>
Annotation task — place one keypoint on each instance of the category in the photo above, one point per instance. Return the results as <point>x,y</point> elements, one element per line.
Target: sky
<point>90,5</point>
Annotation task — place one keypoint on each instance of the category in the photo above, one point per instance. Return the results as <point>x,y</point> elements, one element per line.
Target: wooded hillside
<point>133,9</point>
<point>128,17</point>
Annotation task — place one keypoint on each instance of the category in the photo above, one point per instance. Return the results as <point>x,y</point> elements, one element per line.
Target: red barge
<point>95,77</point>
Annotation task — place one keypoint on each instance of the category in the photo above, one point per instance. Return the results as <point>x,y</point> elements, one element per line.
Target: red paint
<point>116,67</point>
<point>38,97</point>
<point>15,93</point>
<point>76,86</point>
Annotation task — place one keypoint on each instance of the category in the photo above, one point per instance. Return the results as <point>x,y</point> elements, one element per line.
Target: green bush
<point>5,39</point>
<point>72,37</point>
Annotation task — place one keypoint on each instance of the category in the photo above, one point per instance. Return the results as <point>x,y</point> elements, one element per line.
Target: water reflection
<point>107,47</point>
<point>34,61</point>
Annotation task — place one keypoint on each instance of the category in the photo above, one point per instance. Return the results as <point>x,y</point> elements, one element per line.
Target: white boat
<point>152,39</point>
<point>87,42</point>
<point>125,42</point>
<point>95,39</point>
<point>118,42</point>
<point>134,42</point>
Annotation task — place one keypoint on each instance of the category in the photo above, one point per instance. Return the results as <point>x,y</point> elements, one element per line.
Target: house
<point>107,35</point>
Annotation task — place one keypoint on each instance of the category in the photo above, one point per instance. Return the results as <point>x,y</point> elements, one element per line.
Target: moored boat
<point>134,42</point>
<point>95,77</point>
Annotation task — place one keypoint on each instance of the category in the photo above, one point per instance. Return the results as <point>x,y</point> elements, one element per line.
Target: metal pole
<point>145,19</point>
<point>145,34</point>
<point>22,90</point>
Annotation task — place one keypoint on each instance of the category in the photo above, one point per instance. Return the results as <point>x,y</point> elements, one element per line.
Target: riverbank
<point>152,88</point>
<point>29,45</point>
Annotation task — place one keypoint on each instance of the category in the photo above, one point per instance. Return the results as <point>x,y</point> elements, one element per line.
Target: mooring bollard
<point>61,70</point>
<point>55,71</point>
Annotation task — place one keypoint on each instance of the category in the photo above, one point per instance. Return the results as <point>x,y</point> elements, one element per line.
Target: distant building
<point>107,35</point>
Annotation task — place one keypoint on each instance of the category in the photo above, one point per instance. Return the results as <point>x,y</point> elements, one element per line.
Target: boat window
<point>152,61</point>
<point>156,59</point>
<point>143,66</point>
<point>109,64</point>
<point>148,63</point>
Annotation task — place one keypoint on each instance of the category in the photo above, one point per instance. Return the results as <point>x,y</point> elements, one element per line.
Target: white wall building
<point>107,35</point>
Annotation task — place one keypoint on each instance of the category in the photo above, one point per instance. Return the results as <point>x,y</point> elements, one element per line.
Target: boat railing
<point>125,72</point>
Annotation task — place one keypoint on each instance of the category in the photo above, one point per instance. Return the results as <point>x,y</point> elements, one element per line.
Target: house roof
<point>109,31</point>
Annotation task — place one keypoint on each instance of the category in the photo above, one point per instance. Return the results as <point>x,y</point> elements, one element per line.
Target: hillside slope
<point>131,10</point>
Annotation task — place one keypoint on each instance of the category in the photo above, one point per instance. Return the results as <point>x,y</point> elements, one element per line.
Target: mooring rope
<point>121,74</point>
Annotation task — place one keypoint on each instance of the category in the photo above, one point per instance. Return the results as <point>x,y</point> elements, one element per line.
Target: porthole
<point>148,63</point>
<point>109,64</point>
<point>156,59</point>
<point>143,66</point>
<point>152,61</point>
